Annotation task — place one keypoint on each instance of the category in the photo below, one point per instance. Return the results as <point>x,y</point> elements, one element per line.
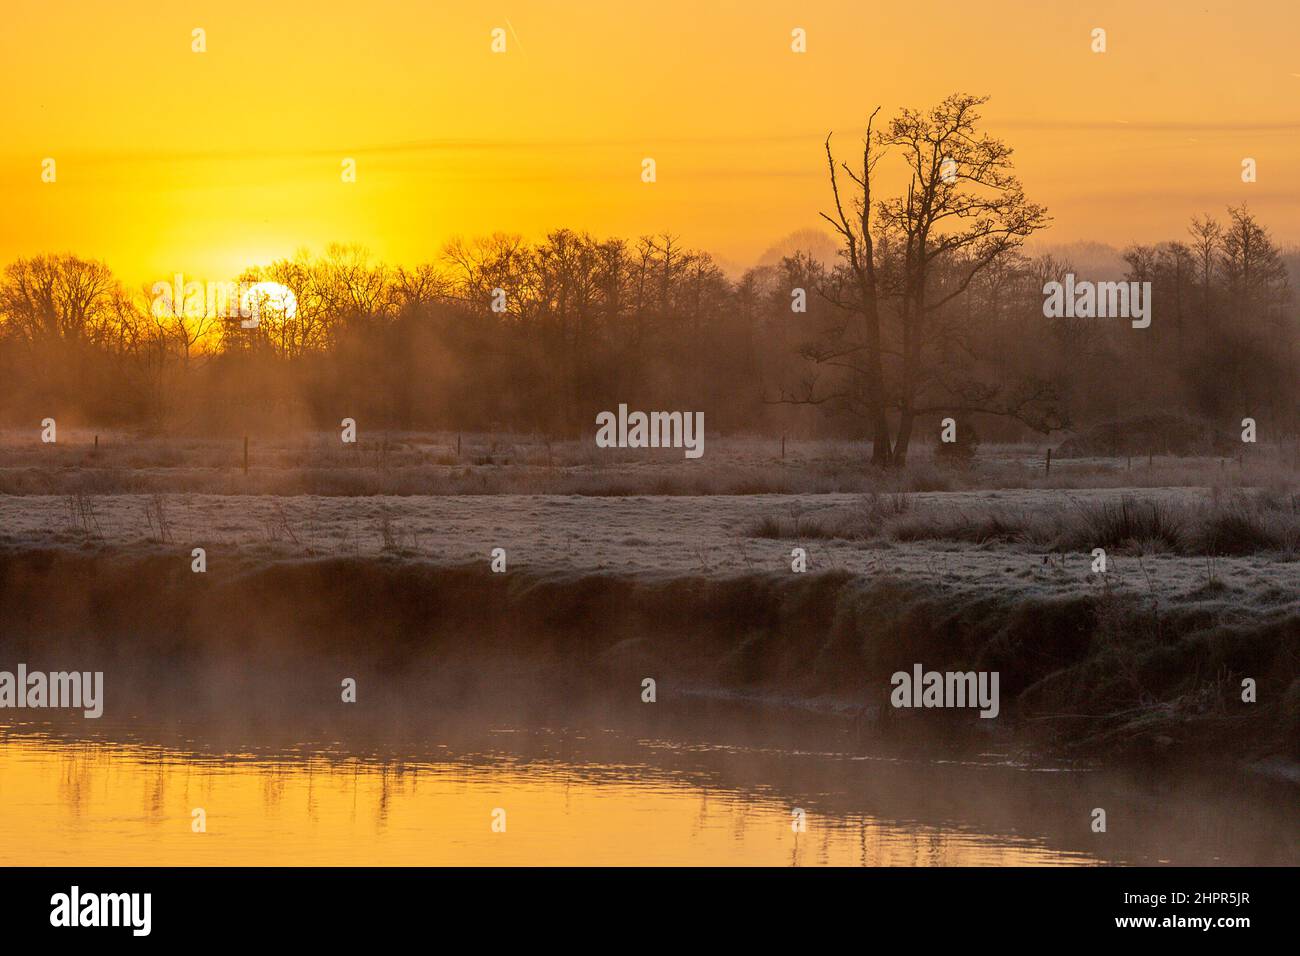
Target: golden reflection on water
<point>101,804</point>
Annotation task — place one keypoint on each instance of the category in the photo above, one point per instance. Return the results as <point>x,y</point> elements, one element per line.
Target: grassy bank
<point>1105,675</point>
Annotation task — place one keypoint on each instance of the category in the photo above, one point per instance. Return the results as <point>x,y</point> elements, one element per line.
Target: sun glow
<point>271,297</point>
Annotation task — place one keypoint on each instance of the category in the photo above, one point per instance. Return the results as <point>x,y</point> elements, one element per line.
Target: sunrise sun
<point>269,297</point>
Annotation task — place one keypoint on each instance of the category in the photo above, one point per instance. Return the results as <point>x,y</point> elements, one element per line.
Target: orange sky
<point>173,161</point>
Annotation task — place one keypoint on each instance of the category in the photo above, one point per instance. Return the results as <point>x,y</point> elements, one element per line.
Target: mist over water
<point>477,692</point>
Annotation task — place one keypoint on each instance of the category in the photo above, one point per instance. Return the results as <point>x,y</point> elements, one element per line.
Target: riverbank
<point>1104,675</point>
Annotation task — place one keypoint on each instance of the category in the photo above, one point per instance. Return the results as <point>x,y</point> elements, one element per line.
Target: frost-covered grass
<point>1240,522</point>
<point>704,536</point>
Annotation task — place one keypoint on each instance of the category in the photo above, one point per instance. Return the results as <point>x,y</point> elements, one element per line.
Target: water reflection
<point>583,797</point>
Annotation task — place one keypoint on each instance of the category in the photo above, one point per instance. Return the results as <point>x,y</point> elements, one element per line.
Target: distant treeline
<point>582,324</point>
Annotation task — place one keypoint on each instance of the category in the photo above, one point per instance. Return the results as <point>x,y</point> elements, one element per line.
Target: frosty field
<point>668,535</point>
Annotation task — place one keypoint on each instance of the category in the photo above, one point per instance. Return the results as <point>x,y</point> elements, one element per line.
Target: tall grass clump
<point>1127,523</point>
<point>1247,524</point>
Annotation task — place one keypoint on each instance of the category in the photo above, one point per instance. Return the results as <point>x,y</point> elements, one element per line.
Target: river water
<point>714,792</point>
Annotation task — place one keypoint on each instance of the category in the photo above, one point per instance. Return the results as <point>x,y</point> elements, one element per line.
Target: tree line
<point>932,308</point>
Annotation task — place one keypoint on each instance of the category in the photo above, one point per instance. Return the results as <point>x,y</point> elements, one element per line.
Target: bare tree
<point>1207,237</point>
<point>1252,266</point>
<point>59,299</point>
<point>906,261</point>
<point>857,345</point>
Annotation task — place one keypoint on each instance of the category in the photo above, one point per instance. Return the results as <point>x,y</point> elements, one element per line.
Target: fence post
<point>1048,469</point>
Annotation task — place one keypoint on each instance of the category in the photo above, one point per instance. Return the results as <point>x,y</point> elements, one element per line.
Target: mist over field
<point>592,322</point>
